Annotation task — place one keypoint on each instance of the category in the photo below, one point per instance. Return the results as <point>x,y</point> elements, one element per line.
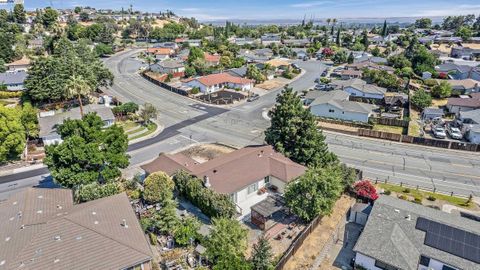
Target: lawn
<point>389,129</point>
<point>128,125</point>
<point>414,127</point>
<point>417,194</point>
<point>150,129</point>
<point>439,102</point>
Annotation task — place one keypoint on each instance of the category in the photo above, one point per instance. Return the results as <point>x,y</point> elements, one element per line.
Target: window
<point>384,266</point>
<point>267,179</point>
<point>252,188</point>
<point>425,261</point>
<point>331,110</point>
<point>446,267</point>
<point>233,197</point>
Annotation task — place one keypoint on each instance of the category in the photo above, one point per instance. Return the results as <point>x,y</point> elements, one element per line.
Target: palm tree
<point>328,21</point>
<point>334,21</point>
<point>77,86</point>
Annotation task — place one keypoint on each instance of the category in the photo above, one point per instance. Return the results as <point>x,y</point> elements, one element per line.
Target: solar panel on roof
<point>455,241</point>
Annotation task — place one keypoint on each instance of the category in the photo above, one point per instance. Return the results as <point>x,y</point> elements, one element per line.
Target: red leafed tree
<point>327,52</point>
<point>365,189</point>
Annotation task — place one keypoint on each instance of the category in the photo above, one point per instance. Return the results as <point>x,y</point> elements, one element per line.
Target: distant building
<point>268,39</point>
<point>403,235</point>
<point>19,65</point>
<point>432,113</point>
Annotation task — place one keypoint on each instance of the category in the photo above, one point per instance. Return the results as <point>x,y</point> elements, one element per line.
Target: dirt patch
<point>306,255</point>
<point>206,152</point>
<point>272,84</point>
<point>333,126</point>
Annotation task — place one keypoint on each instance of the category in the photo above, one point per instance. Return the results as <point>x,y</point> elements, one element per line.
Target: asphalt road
<point>187,121</point>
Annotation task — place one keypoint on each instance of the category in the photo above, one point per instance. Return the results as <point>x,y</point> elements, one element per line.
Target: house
<point>464,103</point>
<point>13,80</point>
<point>256,56</point>
<point>403,235</point>
<point>245,41</point>
<point>268,39</point>
<point>193,42</point>
<point>42,228</point>
<point>239,174</point>
<point>48,121</point>
<point>369,65</point>
<point>160,53</point>
<point>432,113</point>
<point>168,66</point>
<point>464,87</point>
<point>304,42</point>
<point>348,74</point>
<point>35,43</point>
<point>300,53</point>
<point>360,88</point>
<point>278,63</point>
<point>168,45</point>
<point>393,99</point>
<point>211,59</point>
<point>215,82</point>
<point>238,72</point>
<point>19,65</point>
<point>335,104</point>
<point>470,122</point>
<point>465,53</point>
<point>459,72</point>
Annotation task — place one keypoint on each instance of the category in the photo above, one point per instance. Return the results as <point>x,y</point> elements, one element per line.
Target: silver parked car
<point>439,132</point>
<point>454,133</point>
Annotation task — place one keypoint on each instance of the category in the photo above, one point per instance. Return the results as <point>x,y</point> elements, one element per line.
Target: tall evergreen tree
<point>262,255</point>
<point>294,133</point>
<point>338,38</point>
<point>365,40</point>
<point>384,29</point>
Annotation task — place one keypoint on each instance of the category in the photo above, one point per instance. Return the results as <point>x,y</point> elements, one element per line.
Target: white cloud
<point>310,4</point>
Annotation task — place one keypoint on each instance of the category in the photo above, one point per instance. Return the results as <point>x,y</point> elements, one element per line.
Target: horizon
<point>269,10</point>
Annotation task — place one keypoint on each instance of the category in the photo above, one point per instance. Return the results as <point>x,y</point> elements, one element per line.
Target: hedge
<point>10,94</point>
<point>212,204</point>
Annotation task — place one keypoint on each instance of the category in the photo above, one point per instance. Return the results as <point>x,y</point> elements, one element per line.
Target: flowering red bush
<point>327,52</point>
<point>365,189</point>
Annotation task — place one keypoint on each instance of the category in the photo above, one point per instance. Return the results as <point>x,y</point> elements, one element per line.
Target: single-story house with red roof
<point>215,82</point>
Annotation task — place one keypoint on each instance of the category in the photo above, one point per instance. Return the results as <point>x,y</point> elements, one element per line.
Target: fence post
<point>417,187</point>
<point>401,184</point>
<point>434,189</point>
<point>451,194</point>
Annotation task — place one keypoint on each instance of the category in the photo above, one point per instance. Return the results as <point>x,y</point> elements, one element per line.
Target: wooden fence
<point>182,92</point>
<point>390,122</point>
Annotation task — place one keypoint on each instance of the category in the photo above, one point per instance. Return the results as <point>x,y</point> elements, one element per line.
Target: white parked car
<point>439,132</point>
<point>454,133</point>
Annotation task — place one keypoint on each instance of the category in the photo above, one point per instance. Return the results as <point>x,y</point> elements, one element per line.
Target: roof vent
<point>7,239</point>
<point>408,217</point>
<point>215,171</point>
<point>56,260</point>
<point>40,196</point>
<point>124,223</point>
<point>57,238</point>
<point>59,206</point>
<point>12,218</point>
<point>95,222</point>
<point>15,203</point>
<point>94,213</point>
<point>396,211</point>
<point>39,211</point>
<point>206,181</point>
<point>19,214</point>
<point>2,262</point>
<point>78,237</point>
<point>22,227</point>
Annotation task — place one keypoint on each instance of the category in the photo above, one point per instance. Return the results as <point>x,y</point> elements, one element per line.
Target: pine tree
<point>294,133</point>
<point>351,58</point>
<point>166,218</point>
<point>385,28</point>
<point>262,255</point>
<point>338,38</point>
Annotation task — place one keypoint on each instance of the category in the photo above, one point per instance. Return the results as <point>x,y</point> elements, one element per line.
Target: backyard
<point>389,129</point>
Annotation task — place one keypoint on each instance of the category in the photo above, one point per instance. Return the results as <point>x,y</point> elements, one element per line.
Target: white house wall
<point>278,183</point>
<point>323,110</point>
<point>246,201</point>
<point>365,261</point>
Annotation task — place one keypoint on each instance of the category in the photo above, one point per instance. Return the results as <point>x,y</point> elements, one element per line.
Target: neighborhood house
<point>215,82</point>
<point>360,88</point>
<point>13,80</point>
<point>240,174</point>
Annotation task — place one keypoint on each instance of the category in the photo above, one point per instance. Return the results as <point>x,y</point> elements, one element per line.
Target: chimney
<point>124,223</point>
<point>206,182</point>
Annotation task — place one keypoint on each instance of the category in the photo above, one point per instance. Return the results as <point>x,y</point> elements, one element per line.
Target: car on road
<point>439,132</point>
<point>317,80</point>
<point>320,87</point>
<point>454,132</point>
<point>253,97</point>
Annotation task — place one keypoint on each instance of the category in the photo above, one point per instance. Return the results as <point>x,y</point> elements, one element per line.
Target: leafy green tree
<point>294,133</point>
<point>158,188</point>
<point>423,23</point>
<point>399,61</point>
<point>93,191</point>
<point>12,133</point>
<point>226,243</point>
<point>187,231</point>
<point>349,176</point>
<point>195,54</point>
<point>7,41</point>
<point>338,40</point>
<point>340,57</point>
<point>84,17</point>
<point>88,153</point>
<point>166,219</point>
<point>262,255</point>
<point>365,41</point>
<point>376,51</point>
<point>255,74</point>
<point>78,87</point>
<point>3,68</point>
<point>465,32</point>
<point>49,17</point>
<point>19,14</point>
<point>442,90</point>
<point>315,192</point>
<point>103,49</point>
<point>29,120</point>
<point>77,10</point>
<point>421,99</point>
<point>351,58</point>
<point>385,29</point>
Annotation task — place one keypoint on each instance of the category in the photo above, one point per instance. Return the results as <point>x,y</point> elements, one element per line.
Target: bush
<point>210,203</point>
<point>365,189</point>
<point>402,197</point>
<point>8,94</point>
<point>387,192</point>
<point>406,190</point>
<point>94,191</point>
<point>417,201</point>
<point>153,239</point>
<point>431,198</point>
<point>195,90</point>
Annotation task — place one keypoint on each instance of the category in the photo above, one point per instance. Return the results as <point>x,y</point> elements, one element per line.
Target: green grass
<point>128,125</point>
<point>457,201</point>
<point>389,129</point>
<point>135,130</point>
<point>150,129</point>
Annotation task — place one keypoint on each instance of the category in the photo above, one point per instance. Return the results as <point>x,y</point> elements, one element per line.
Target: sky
<point>206,10</point>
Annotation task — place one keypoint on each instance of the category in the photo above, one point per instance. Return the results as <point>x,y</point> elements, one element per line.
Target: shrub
<point>402,197</point>
<point>8,94</point>
<point>387,192</point>
<point>365,189</point>
<point>153,238</point>
<point>431,198</point>
<point>210,203</point>
<point>417,201</point>
<point>195,90</point>
<point>406,190</point>
<point>93,191</point>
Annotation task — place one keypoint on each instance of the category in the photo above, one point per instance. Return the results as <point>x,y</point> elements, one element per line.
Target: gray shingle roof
<point>48,124</point>
<point>474,115</point>
<point>360,85</point>
<point>390,236</point>
<point>59,235</point>
<point>9,78</point>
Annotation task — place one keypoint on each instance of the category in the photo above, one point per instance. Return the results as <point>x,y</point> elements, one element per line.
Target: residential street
<point>187,121</point>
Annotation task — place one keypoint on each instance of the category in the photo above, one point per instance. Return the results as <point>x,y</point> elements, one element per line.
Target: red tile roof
<point>160,51</point>
<point>219,78</point>
<point>233,171</point>
<point>212,58</point>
